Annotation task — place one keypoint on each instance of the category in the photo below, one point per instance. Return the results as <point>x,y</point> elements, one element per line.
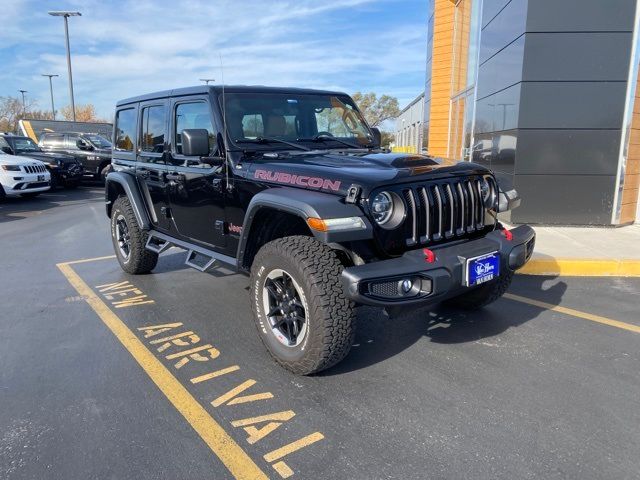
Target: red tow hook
<point>507,234</point>
<point>429,256</point>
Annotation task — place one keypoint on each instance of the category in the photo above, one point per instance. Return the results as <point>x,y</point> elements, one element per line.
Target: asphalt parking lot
<point>106,375</point>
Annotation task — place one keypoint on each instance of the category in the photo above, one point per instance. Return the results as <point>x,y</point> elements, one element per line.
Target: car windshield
<point>271,120</point>
<point>23,144</point>
<point>99,141</point>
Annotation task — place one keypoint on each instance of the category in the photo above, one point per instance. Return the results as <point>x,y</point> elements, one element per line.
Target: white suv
<point>22,176</point>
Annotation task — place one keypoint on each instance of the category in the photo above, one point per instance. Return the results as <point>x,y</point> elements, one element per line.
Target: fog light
<point>406,285</point>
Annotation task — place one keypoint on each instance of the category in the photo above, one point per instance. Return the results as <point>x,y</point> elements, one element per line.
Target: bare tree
<point>12,110</point>
<point>377,110</point>
<point>84,113</point>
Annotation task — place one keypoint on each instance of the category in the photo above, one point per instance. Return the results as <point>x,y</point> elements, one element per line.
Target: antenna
<point>224,124</point>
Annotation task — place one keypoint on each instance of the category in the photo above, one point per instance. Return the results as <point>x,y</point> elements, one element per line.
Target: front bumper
<point>17,183</point>
<point>445,276</point>
<point>68,174</point>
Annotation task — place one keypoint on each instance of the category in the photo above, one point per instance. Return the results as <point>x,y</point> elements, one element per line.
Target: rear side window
<point>153,122</point>
<point>56,141</point>
<point>193,115</point>
<point>72,141</point>
<point>125,129</point>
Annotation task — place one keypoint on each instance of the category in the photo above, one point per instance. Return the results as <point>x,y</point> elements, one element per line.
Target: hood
<point>336,172</point>
<point>47,157</point>
<point>18,160</point>
<point>101,151</point>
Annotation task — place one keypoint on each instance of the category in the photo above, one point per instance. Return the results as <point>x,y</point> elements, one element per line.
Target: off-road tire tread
<point>141,260</point>
<point>331,309</point>
<point>484,295</point>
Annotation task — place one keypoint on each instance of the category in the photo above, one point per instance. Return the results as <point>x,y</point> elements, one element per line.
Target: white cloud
<point>142,46</point>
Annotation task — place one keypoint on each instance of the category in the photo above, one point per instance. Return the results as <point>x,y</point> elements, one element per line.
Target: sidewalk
<point>583,251</point>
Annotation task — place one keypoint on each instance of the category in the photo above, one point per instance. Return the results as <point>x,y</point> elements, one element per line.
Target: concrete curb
<point>575,267</point>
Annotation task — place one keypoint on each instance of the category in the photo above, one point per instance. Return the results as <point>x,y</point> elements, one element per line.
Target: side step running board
<point>159,242</point>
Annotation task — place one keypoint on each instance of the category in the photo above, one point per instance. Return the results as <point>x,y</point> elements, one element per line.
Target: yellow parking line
<point>219,441</point>
<point>582,267</point>
<point>575,313</point>
<point>87,260</point>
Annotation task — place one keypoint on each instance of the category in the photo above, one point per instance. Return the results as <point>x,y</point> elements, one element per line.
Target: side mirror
<point>7,150</point>
<point>377,136</point>
<point>195,142</point>
<point>82,145</point>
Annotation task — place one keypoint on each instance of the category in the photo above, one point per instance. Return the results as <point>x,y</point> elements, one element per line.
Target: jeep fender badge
<point>353,194</point>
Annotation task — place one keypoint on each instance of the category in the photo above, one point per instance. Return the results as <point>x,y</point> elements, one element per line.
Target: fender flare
<point>131,190</point>
<point>305,204</point>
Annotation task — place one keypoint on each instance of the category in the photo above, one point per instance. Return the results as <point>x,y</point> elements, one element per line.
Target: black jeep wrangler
<point>292,186</point>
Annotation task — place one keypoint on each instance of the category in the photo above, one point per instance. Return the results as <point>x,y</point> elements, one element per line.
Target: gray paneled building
<point>543,92</point>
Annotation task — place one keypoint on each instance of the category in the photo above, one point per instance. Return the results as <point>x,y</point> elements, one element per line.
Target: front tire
<point>484,295</point>
<point>303,317</point>
<point>129,240</point>
<point>104,171</point>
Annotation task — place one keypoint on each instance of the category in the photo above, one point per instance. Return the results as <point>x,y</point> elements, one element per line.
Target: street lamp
<point>24,107</point>
<point>53,108</point>
<point>66,15</point>
<point>207,80</point>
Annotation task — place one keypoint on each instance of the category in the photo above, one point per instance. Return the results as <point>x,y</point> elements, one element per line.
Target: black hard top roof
<point>205,89</point>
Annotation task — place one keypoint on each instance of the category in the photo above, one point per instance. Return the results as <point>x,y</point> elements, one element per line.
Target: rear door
<point>196,190</point>
<point>151,161</point>
<point>53,142</point>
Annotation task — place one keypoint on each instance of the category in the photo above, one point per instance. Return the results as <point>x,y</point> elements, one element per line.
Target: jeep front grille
<point>444,210</point>
<point>34,168</point>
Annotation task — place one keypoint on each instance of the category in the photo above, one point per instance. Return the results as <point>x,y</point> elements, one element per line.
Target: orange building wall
<point>449,68</point>
<point>632,171</point>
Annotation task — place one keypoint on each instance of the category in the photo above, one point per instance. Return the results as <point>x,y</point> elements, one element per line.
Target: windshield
<point>98,141</point>
<point>23,144</point>
<point>268,118</point>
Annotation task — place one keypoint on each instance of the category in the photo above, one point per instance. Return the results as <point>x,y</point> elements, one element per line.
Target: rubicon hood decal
<point>301,180</point>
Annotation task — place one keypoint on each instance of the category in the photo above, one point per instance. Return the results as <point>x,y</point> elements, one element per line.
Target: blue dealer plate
<point>482,269</point>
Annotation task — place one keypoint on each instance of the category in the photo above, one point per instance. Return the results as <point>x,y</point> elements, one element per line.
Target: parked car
<point>23,176</point>
<point>90,149</point>
<point>65,170</point>
<point>292,187</point>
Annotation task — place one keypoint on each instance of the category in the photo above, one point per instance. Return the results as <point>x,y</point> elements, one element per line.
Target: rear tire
<point>129,240</point>
<point>484,295</point>
<point>314,298</point>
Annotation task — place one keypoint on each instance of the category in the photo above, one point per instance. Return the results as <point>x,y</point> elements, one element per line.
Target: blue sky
<point>124,48</point>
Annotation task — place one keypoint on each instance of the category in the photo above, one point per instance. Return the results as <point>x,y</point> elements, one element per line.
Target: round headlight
<point>382,208</point>
<point>487,191</point>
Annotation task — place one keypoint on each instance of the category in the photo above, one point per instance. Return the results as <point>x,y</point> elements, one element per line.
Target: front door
<point>71,148</point>
<point>151,165</point>
<point>196,189</point>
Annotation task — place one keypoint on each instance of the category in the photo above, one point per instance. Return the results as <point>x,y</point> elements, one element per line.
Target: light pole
<point>53,108</point>
<point>24,107</point>
<point>66,15</point>
<point>207,80</point>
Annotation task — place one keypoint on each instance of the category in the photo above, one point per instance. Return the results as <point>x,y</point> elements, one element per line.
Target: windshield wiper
<point>263,140</point>
<point>324,138</point>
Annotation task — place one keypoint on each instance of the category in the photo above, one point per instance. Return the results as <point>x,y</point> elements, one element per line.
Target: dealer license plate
<point>482,269</point>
